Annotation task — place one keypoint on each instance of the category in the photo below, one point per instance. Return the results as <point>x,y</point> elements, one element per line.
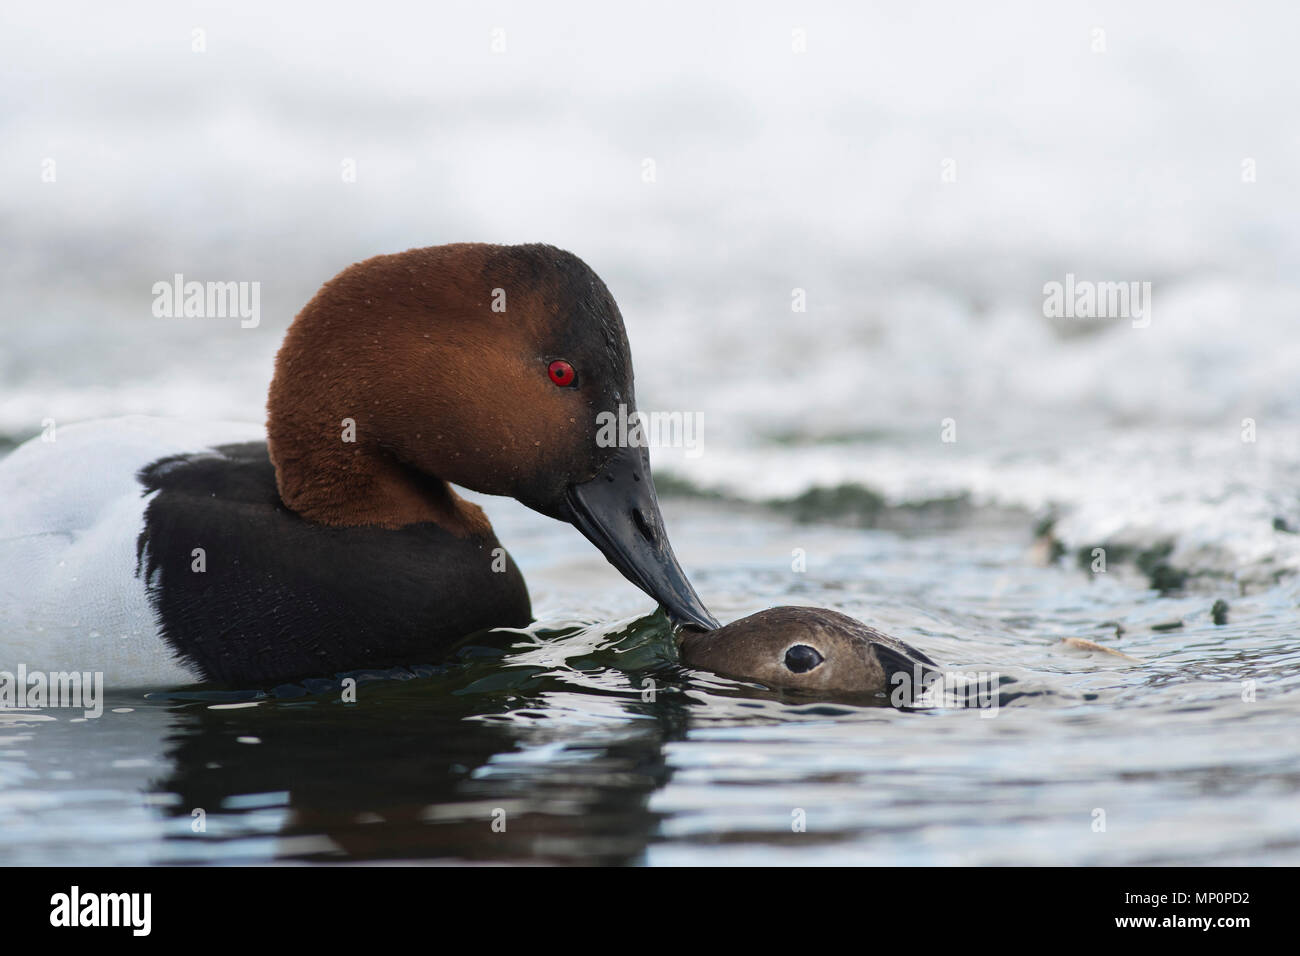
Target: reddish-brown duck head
<point>480,365</point>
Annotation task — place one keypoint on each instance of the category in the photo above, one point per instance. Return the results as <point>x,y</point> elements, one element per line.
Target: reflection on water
<point>403,778</point>
<point>548,745</point>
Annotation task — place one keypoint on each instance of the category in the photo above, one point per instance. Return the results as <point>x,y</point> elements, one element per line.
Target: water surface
<point>554,730</point>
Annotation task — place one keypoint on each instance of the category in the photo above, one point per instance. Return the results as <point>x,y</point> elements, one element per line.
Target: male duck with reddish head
<point>160,552</point>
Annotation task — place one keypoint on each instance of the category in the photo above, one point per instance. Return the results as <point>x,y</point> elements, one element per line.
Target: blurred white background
<point>1117,156</point>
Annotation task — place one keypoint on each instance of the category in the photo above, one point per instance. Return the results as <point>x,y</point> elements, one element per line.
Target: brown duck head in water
<point>810,649</point>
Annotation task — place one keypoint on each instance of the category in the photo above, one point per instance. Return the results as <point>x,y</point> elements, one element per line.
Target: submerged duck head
<point>489,367</point>
<point>809,649</point>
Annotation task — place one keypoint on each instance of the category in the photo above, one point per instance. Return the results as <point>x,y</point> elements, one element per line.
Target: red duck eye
<point>562,373</point>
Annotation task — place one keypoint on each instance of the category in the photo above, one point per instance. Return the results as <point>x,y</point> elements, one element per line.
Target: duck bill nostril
<point>618,512</point>
<point>646,528</point>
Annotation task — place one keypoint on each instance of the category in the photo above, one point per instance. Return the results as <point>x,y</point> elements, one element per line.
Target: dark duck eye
<point>801,658</point>
<point>562,373</point>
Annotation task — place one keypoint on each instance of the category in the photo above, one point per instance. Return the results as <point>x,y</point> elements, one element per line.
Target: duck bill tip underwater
<point>618,512</point>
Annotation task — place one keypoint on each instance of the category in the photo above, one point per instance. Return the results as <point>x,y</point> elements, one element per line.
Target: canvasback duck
<point>810,649</point>
<point>166,553</point>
